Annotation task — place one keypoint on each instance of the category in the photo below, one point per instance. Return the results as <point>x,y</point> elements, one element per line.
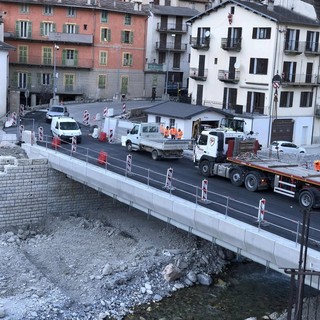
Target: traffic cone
<point>55,142</point>
<point>102,158</point>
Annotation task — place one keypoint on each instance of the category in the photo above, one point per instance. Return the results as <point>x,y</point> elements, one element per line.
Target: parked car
<point>56,111</point>
<point>287,147</point>
<point>65,128</point>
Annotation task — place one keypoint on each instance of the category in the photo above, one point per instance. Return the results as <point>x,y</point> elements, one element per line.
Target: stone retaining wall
<point>30,189</point>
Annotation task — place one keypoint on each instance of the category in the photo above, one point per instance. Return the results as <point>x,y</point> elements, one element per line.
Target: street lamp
<point>55,75</point>
<point>167,75</point>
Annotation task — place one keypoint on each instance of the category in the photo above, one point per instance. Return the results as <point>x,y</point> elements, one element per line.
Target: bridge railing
<point>226,205</point>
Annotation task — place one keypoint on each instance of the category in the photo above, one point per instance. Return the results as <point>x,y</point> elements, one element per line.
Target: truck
<point>147,137</point>
<point>218,154</point>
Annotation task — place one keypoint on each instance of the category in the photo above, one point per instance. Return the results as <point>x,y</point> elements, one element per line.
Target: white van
<point>65,128</point>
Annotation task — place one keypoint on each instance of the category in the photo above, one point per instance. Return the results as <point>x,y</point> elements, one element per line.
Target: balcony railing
<point>171,46</point>
<point>79,63</point>
<point>154,67</point>
<point>198,74</point>
<point>294,47</point>
<point>312,48</point>
<point>229,76</point>
<point>292,79</point>
<point>200,43</point>
<point>231,44</point>
<point>48,89</point>
<point>172,27</point>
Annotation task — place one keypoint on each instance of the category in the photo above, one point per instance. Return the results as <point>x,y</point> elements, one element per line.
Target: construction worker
<point>161,129</point>
<point>166,132</point>
<point>179,134</point>
<point>173,132</point>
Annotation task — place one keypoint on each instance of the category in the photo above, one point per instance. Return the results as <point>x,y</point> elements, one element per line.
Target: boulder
<point>171,272</point>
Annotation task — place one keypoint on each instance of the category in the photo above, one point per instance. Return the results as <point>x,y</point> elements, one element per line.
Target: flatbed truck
<point>243,167</point>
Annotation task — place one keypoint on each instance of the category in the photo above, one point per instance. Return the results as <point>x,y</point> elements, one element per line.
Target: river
<point>251,291</point>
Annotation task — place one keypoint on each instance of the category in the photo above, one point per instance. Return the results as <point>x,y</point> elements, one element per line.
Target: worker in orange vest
<point>161,129</point>
<point>173,132</point>
<point>179,134</point>
<point>166,132</point>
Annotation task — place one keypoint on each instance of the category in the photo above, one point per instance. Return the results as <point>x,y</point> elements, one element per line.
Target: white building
<point>4,67</point>
<point>260,62</point>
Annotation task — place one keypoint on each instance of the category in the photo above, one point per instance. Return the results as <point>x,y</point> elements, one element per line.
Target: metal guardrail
<point>226,205</point>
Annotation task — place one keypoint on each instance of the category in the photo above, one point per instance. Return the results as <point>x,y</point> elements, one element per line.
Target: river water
<point>251,291</point>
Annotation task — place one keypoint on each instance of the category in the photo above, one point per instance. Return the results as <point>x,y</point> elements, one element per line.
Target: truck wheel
<point>204,168</point>
<point>306,199</point>
<point>129,146</point>
<point>155,154</point>
<point>236,177</point>
<point>251,181</point>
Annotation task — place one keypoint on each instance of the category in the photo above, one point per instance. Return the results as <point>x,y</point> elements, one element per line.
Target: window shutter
<point>76,57</point>
<point>15,79</point>
<point>29,30</point>
<point>54,27</point>
<point>17,28</point>
<point>122,36</point>
<point>77,29</point>
<point>268,33</point>
<point>41,29</point>
<point>254,33</point>
<point>251,68</point>
<point>64,28</point>
<point>109,35</point>
<point>131,37</point>
<point>29,80</point>
<point>130,60</point>
<point>248,108</point>
<point>39,78</point>
<point>64,56</point>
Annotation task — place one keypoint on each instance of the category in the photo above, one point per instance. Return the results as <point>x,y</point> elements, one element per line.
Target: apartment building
<point>75,49</point>
<point>260,62</point>
<point>4,74</point>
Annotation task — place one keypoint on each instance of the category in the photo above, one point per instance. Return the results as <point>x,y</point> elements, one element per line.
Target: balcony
<point>48,89</point>
<point>291,80</point>
<point>172,28</point>
<point>200,43</point>
<point>154,67</point>
<point>171,46</point>
<point>198,74</point>
<point>229,76</point>
<point>231,44</point>
<point>294,47</point>
<point>312,48</point>
<point>40,61</point>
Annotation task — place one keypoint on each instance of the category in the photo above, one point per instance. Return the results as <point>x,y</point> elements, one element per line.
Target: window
<point>47,56</point>
<point>203,36</point>
<point>258,66</point>
<point>104,16</point>
<point>68,82</point>
<point>286,99</point>
<point>127,60</point>
<point>101,81</point>
<point>162,57</point>
<point>46,28</point>
<point>124,84</point>
<point>105,34</point>
<point>292,40</point>
<point>255,102</point>
<point>103,58</point>
<point>158,119</point>
<point>48,10</point>
<point>176,60</point>
<point>24,8</point>
<point>127,19</point>
<point>71,12</point>
<point>70,57</point>
<point>261,33</point>
<point>23,54</point>
<point>234,38</point>
<point>70,28</point>
<point>229,98</point>
<point>44,79</point>
<point>289,71</point>
<point>126,36</point>
<point>22,80</point>
<point>172,123</point>
<point>312,44</point>
<point>23,29</point>
<point>306,99</point>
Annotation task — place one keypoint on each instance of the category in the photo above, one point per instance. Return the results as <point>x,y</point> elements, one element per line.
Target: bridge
<point>245,240</point>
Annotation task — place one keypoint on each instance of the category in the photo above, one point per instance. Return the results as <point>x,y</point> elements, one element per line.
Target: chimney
<point>137,5</point>
<point>270,5</point>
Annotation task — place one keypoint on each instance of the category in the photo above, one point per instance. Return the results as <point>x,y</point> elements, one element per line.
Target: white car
<point>286,147</point>
<point>56,111</point>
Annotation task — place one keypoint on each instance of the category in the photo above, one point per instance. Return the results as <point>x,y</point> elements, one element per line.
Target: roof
<point>173,11</point>
<point>110,5</point>
<point>5,46</point>
<point>278,14</point>
<point>181,110</point>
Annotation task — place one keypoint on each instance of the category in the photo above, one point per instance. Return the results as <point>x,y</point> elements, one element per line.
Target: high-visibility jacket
<point>173,131</point>
<point>166,132</point>
<point>179,134</point>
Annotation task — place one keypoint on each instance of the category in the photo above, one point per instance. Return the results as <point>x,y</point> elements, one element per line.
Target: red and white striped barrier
<point>111,136</point>
<point>261,210</point>
<point>129,164</point>
<point>14,118</point>
<point>204,190</point>
<point>21,110</point>
<point>124,108</point>
<point>105,112</point>
<point>86,117</point>
<point>74,144</point>
<point>21,128</point>
<point>40,134</point>
<point>168,184</point>
<point>33,138</point>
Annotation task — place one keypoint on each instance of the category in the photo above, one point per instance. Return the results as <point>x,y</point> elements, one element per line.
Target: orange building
<point>75,49</point>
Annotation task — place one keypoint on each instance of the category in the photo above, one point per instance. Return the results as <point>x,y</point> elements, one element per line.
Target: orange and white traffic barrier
<point>40,134</point>
<point>102,158</point>
<point>111,136</point>
<point>21,128</point>
<point>261,210</point>
<point>21,110</point>
<point>204,190</point>
<point>74,144</point>
<point>129,164</point>
<point>124,108</point>
<point>105,112</point>
<point>86,117</point>
<point>14,118</point>
<point>168,184</point>
<point>55,142</point>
